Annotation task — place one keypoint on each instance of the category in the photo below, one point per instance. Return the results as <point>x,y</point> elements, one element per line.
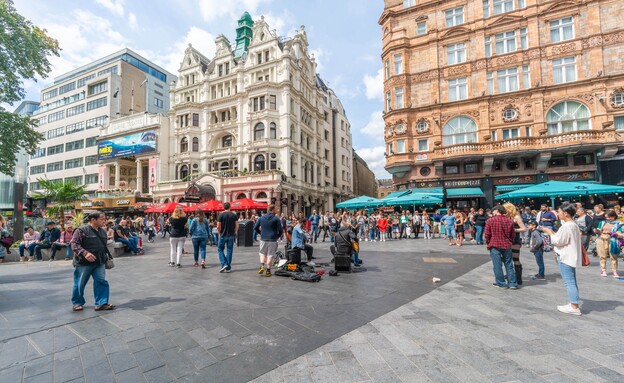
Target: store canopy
<point>167,208</point>
<point>464,193</point>
<point>561,189</point>
<point>512,187</point>
<point>248,204</point>
<point>209,206</point>
<point>361,202</point>
<point>414,199</point>
<point>433,192</point>
<point>396,194</point>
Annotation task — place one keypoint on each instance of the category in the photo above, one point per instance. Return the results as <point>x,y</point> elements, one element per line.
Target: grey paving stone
<point>121,361</point>
<point>46,377</point>
<point>39,366</point>
<point>99,373</point>
<point>67,369</point>
<point>178,364</point>
<point>138,345</point>
<point>384,376</point>
<point>158,375</point>
<point>92,354</point>
<point>133,375</point>
<point>607,374</point>
<point>12,374</point>
<point>148,359</point>
<point>182,339</point>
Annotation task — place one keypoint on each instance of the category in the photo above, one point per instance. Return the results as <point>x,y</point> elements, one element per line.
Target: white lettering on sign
<point>462,183</point>
<point>86,204</point>
<point>421,157</point>
<point>123,201</point>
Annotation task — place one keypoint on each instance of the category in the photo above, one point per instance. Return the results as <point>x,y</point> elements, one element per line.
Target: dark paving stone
<point>121,361</point>
<point>148,359</point>
<point>133,375</point>
<point>67,369</point>
<point>39,366</point>
<point>158,375</point>
<point>607,374</point>
<point>99,373</point>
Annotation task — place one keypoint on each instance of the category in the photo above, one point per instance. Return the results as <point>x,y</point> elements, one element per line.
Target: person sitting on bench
<point>299,239</point>
<point>346,242</point>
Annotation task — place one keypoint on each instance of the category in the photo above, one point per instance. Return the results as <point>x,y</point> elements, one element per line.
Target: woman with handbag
<point>200,231</point>
<point>177,236</point>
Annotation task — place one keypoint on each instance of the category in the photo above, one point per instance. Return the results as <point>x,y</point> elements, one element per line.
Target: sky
<point>343,35</point>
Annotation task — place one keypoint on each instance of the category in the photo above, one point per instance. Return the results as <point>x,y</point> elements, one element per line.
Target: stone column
<point>117,174</point>
<point>139,176</point>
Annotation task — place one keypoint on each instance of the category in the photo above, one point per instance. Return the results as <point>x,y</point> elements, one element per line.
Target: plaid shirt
<point>499,232</point>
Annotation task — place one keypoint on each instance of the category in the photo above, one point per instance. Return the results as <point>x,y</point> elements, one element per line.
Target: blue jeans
<point>130,243</point>
<point>199,247</point>
<point>82,273</point>
<point>502,257</point>
<point>568,274</point>
<point>479,234</point>
<point>371,234</point>
<point>450,232</point>
<point>31,249</point>
<point>356,259</point>
<point>315,232</point>
<point>226,260</point>
<point>67,250</point>
<point>539,259</point>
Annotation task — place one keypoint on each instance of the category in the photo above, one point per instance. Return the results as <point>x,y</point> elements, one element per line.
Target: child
<point>426,226</point>
<point>536,245</point>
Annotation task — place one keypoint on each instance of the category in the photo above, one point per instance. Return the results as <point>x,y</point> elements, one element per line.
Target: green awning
<point>464,192</point>
<point>508,188</point>
<point>397,194</point>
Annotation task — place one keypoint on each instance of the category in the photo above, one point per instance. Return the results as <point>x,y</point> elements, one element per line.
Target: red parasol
<point>209,206</point>
<point>248,204</point>
<point>164,208</point>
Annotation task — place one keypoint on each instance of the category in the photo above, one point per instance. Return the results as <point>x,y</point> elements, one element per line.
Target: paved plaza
<point>390,323</point>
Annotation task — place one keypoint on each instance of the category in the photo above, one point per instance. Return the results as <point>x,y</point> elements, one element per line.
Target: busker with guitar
<point>347,243</point>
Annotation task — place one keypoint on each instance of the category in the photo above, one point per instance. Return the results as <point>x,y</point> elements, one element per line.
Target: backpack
<point>548,246</point>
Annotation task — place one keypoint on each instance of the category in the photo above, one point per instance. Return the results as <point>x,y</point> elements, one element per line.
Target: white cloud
<point>202,41</point>
<point>375,126</point>
<point>211,10</point>
<point>116,7</point>
<point>374,86</point>
<point>132,21</point>
<point>375,159</point>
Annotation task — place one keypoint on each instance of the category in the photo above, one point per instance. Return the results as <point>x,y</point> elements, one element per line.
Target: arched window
<point>195,144</point>
<point>459,130</point>
<point>241,196</point>
<point>184,172</point>
<point>272,130</point>
<point>224,166</point>
<point>226,141</point>
<point>184,145</point>
<point>259,131</point>
<point>259,162</point>
<point>568,116</point>
<point>261,195</point>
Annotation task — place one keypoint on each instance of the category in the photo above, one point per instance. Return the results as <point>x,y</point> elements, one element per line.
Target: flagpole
<point>132,100</point>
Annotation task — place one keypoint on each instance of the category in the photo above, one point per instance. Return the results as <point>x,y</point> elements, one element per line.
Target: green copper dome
<point>243,34</point>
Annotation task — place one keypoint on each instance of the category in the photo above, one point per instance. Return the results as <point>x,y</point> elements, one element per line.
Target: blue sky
<point>343,35</point>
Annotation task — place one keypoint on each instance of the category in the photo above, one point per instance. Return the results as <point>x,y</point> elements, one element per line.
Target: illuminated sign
<point>130,145</point>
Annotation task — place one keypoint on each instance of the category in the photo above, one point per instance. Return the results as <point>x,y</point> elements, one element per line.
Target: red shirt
<point>499,232</point>
<point>382,224</point>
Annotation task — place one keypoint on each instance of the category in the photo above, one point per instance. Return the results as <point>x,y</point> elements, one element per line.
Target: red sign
<point>101,175</point>
<point>153,173</point>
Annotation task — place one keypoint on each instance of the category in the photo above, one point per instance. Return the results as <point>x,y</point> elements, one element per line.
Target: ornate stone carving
<point>507,60</point>
<point>548,103</point>
<point>512,100</point>
<point>510,113</point>
<point>422,126</point>
<point>474,113</point>
<point>594,41</point>
<point>479,64</point>
<point>445,118</point>
<point>492,115</point>
<point>564,48</point>
<point>528,110</point>
<point>424,76</point>
<point>530,54</point>
<point>456,70</point>
<point>613,38</point>
<point>586,96</point>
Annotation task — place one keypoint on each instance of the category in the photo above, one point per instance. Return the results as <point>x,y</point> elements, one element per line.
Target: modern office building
<point>484,95</point>
<point>79,103</point>
<point>257,121</point>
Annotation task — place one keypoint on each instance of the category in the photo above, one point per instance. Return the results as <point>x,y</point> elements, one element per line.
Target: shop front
<point>464,194</point>
<point>115,205</point>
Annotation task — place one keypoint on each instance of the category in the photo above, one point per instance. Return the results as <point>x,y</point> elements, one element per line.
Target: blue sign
<point>126,146</point>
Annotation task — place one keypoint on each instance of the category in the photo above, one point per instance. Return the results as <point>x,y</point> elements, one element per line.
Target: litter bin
<point>245,233</point>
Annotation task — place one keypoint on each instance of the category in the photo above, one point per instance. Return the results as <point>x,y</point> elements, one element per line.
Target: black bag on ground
<point>294,255</point>
<point>306,276</point>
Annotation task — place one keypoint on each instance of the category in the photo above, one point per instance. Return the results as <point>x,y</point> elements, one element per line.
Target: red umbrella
<point>248,204</point>
<point>165,208</point>
<point>211,206</point>
<point>154,208</point>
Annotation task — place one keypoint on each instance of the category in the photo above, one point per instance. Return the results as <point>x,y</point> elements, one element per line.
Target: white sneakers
<point>568,309</point>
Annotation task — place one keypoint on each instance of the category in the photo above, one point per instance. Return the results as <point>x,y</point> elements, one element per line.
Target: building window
<point>91,178</point>
<point>564,70</point>
<point>454,17</point>
<point>49,94</point>
<point>272,130</point>
<point>471,168</point>
<point>54,166</point>
<point>259,162</point>
<point>74,110</point>
<point>457,89</point>
<point>184,145</point>
<point>459,130</point>
<point>398,64</point>
<point>184,172</point>
<point>98,121</point>
<point>226,142</point>
<point>568,116</point>
<point>398,98</point>
<point>503,6</point>
<point>74,145</point>
<point>557,162</point>
<point>56,149</point>
<point>91,160</point>
<point>451,169</point>
<point>98,88</point>
<point>272,102</point>
<point>52,117</point>
<point>510,114</point>
<point>562,29</point>
<point>401,146</point>
<point>424,171</point>
<point>507,80</point>
<point>618,122</point>
<point>259,131</point>
<point>41,152</point>
<point>56,132</point>
<point>91,141</point>
<point>489,79</point>
<point>583,159</point>
<point>505,42</point>
<point>524,38</point>
<point>99,103</point>
<point>73,163</point>
<point>526,77</point>
<point>488,46</point>
<point>421,28</point>
<point>388,101</point>
<point>195,144</point>
<point>456,53</point>
<point>408,3</point>
<point>486,9</point>
<point>387,68</point>
<point>617,99</point>
<point>37,169</point>
<point>390,151</point>
<point>258,103</point>
<point>423,145</point>
<point>67,87</point>
<point>81,82</point>
<point>511,133</point>
<point>195,119</point>
<point>75,179</point>
<point>159,103</point>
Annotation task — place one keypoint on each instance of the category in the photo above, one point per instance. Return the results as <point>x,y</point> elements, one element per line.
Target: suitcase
<point>342,263</point>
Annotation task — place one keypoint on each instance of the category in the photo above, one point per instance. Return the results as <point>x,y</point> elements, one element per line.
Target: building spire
<point>243,34</point>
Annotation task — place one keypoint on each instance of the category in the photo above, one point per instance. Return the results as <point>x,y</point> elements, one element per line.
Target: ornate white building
<point>257,121</point>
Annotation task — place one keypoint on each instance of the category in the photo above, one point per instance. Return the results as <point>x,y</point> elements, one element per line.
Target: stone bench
<point>117,249</point>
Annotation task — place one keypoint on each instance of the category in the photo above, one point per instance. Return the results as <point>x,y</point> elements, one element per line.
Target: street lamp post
<point>18,202</point>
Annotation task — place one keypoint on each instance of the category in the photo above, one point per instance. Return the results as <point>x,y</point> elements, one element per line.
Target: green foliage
<point>63,196</point>
<point>24,51</point>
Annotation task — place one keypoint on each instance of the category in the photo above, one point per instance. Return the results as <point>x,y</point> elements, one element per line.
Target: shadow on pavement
<point>142,304</point>
<point>589,305</point>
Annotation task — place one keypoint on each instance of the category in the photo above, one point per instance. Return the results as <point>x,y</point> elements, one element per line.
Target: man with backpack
<point>536,246</point>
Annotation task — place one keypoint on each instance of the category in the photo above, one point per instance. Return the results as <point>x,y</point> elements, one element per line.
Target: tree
<point>24,51</point>
<point>63,195</point>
